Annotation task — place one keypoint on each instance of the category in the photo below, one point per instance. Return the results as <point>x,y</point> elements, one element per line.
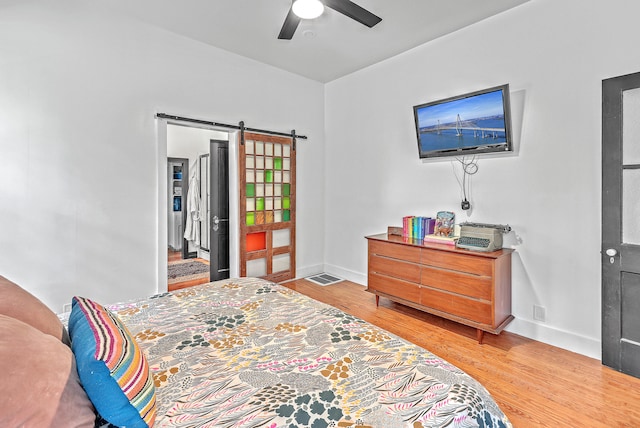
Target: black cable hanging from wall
<point>239,127</point>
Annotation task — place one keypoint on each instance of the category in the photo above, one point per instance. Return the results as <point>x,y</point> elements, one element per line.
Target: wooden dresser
<point>469,287</point>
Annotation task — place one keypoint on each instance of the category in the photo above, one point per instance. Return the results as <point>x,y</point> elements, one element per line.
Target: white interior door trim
<point>161,195</point>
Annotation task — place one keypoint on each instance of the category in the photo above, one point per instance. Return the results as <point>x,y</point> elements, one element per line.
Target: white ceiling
<point>323,49</point>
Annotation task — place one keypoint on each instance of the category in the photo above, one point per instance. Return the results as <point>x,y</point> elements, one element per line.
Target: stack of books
<point>416,227</point>
<point>436,239</point>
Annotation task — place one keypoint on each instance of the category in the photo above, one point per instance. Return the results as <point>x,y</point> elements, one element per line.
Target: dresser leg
<point>377,300</point>
<point>479,335</point>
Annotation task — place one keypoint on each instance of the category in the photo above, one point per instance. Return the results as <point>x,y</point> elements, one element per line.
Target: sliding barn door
<point>267,207</point>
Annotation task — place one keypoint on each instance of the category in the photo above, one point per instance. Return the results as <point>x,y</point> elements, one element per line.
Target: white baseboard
<point>562,339</point>
<point>309,270</point>
<point>350,275</point>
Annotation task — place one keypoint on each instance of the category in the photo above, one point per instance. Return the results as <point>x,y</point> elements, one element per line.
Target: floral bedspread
<point>249,353</point>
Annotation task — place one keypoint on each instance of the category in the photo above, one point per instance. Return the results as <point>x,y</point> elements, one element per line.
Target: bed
<point>250,353</point>
<point>237,353</point>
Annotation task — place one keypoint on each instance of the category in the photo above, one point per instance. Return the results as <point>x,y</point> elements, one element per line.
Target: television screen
<point>469,124</point>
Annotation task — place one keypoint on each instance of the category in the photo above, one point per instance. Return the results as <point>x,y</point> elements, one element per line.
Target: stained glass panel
<point>281,238</point>
<point>257,241</point>
<point>281,262</point>
<point>257,267</point>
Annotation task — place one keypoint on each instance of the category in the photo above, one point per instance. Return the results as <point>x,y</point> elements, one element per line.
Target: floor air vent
<point>324,279</point>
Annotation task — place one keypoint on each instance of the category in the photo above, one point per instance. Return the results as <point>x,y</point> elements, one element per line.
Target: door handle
<point>611,252</point>
<point>216,221</point>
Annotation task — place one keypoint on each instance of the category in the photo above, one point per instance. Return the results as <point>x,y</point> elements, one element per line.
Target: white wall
<point>190,142</point>
<point>554,54</point>
<point>79,88</point>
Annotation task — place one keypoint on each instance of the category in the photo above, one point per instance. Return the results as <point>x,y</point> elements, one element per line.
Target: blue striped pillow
<point>113,369</point>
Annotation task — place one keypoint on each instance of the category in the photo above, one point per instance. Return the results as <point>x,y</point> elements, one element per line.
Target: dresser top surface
<point>396,239</point>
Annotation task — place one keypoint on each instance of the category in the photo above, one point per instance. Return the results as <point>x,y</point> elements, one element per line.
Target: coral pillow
<point>40,385</point>
<point>111,365</point>
<point>18,303</point>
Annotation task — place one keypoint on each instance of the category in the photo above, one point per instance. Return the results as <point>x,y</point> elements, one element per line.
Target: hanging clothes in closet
<point>192,228</point>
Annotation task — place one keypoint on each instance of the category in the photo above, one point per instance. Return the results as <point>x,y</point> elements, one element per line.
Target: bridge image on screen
<point>462,123</point>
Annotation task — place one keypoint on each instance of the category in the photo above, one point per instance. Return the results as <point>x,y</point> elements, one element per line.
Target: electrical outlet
<point>539,313</point>
<point>66,307</point>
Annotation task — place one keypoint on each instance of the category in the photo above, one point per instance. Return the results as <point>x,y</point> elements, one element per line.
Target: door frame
<point>162,193</point>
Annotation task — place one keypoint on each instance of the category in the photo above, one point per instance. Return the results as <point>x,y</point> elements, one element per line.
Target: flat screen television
<point>469,124</point>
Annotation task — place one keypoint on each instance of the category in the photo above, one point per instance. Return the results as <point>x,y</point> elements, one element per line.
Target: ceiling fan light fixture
<point>307,9</point>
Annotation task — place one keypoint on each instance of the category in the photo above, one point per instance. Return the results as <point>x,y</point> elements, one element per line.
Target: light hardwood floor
<point>535,384</point>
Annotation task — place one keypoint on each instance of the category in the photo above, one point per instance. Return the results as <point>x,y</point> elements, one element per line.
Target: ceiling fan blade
<point>289,27</point>
<point>353,11</point>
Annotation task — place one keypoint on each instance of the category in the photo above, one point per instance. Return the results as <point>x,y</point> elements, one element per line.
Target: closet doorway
<point>198,193</point>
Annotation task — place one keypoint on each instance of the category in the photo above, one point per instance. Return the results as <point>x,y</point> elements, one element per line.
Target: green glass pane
<point>260,204</point>
<point>286,189</point>
<point>277,163</point>
<point>251,190</point>
<point>286,202</point>
<point>286,215</point>
<point>268,176</point>
<point>250,219</point>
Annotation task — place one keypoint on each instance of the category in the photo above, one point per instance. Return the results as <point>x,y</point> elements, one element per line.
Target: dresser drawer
<point>459,262</point>
<point>395,251</point>
<point>395,268</point>
<point>478,287</point>
<point>470,309</point>
<point>393,286</point>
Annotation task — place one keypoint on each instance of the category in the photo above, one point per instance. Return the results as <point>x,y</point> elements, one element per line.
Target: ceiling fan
<point>309,9</point>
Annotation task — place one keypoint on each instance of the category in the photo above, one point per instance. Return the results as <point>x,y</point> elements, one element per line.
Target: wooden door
<point>267,166</point>
<point>621,223</point>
